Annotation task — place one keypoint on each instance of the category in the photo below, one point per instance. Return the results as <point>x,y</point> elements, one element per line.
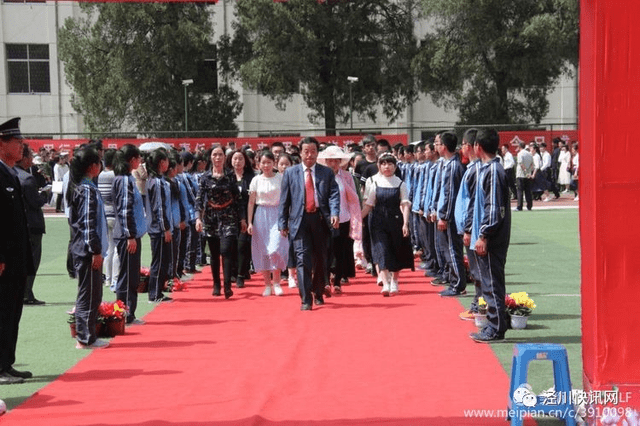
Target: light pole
<point>186,83</point>
<point>351,81</point>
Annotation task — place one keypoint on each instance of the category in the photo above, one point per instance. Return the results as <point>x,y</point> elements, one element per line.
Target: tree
<point>311,47</point>
<point>497,60</point>
<point>126,63</point>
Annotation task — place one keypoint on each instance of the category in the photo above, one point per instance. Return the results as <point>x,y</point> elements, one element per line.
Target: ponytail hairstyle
<point>121,166</point>
<point>83,158</point>
<point>153,162</point>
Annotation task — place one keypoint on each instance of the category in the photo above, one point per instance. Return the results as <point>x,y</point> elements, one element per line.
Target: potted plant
<point>71,320</point>
<point>113,315</point>
<point>519,307</point>
<point>481,316</point>
<point>143,286</point>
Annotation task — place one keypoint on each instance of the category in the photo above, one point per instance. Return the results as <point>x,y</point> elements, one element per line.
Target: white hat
<point>333,153</point>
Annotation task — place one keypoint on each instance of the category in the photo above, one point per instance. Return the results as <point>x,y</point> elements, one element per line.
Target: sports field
<point>543,260</point>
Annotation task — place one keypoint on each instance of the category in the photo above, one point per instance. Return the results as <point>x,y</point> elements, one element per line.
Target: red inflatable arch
<point>609,114</point>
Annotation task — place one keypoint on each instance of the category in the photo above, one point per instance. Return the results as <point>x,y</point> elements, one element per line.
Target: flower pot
<point>113,328</point>
<point>143,286</point>
<point>480,320</point>
<point>518,322</point>
<point>72,327</point>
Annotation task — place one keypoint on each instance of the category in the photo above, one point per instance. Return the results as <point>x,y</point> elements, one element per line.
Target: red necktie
<point>310,203</point>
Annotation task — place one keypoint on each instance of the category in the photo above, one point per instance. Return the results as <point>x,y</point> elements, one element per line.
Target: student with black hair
<point>178,215</point>
<point>159,223</point>
<point>130,226</point>
<point>89,242</point>
<point>490,234</point>
<point>105,184</point>
<point>447,237</point>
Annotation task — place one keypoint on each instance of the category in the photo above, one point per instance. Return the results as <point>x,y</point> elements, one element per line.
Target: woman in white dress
<point>269,249</point>
<point>564,175</point>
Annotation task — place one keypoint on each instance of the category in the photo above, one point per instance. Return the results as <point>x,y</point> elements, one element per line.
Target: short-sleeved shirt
<point>267,189</point>
<point>379,180</point>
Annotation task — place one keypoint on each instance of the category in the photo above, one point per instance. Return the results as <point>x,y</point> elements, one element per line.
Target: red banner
<point>196,144</point>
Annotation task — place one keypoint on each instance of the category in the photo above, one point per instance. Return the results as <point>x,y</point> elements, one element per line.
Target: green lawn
<point>543,260</point>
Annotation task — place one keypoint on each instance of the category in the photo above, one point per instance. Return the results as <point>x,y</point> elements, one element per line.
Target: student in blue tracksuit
<point>159,225</point>
<point>178,215</point>
<point>192,237</point>
<point>89,242</point>
<point>129,227</point>
<point>432,261</point>
<point>490,234</point>
<point>441,276</point>
<point>464,214</point>
<point>187,202</point>
<point>416,192</point>
<point>449,240</point>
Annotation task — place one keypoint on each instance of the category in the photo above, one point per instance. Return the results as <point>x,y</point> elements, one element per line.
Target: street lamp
<point>351,81</point>
<point>186,83</point>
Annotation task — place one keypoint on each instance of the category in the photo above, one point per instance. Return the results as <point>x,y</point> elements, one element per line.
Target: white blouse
<point>380,180</point>
<point>267,189</point>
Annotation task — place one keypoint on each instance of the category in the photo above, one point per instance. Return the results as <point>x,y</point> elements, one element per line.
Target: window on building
<point>206,80</point>
<point>28,68</point>
<point>25,1</point>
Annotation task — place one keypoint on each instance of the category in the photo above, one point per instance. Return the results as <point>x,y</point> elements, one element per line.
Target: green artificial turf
<point>543,260</point>
<point>45,345</point>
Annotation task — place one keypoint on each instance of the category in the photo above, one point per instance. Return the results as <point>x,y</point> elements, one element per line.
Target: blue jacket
<point>88,221</point>
<point>159,218</point>
<point>450,178</point>
<point>492,212</point>
<point>292,196</point>
<point>464,200</point>
<point>129,208</point>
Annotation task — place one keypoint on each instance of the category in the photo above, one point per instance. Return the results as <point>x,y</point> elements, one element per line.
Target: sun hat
<point>333,153</point>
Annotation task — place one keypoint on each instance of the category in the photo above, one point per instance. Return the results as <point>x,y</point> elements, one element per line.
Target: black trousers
<point>160,258</point>
<point>244,256</point>
<point>551,183</point>
<point>310,248</point>
<point>431,254</point>
<point>524,188</point>
<point>451,246</point>
<point>492,281</point>
<point>36,251</point>
<point>191,243</point>
<point>342,254</point>
<point>227,249</point>
<point>511,181</point>
<point>88,300</point>
<point>172,270</point>
<point>11,302</point>
<point>128,276</point>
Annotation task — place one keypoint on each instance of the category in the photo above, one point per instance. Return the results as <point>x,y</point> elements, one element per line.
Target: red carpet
<point>359,359</point>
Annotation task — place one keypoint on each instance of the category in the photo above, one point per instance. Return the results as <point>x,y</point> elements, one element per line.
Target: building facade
<point>32,83</point>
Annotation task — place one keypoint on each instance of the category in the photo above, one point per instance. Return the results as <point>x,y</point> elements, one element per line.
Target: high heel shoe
<point>228,293</point>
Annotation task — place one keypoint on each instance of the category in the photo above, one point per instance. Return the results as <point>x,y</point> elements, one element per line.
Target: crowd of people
<point>303,215</point>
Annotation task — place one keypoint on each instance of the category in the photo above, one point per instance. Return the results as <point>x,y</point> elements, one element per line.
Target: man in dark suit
<point>16,261</point>
<point>309,209</point>
<point>34,199</point>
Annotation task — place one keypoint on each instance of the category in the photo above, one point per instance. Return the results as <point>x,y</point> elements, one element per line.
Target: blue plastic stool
<point>561,405</point>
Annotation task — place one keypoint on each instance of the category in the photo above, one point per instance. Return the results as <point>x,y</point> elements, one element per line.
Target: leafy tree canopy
<point>126,63</point>
<point>311,47</point>
<point>497,60</point>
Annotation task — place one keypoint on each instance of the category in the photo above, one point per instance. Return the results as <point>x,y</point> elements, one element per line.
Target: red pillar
<point>609,190</point>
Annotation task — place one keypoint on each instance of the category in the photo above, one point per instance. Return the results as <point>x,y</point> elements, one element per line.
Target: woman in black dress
<point>243,171</point>
<point>222,217</point>
<point>387,205</point>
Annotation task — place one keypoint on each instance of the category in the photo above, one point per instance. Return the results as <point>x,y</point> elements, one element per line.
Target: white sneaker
<point>277,289</point>
<point>394,287</point>
<point>576,199</point>
<point>267,291</point>
<point>546,199</point>
<point>98,344</point>
<point>385,290</point>
<point>292,282</point>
